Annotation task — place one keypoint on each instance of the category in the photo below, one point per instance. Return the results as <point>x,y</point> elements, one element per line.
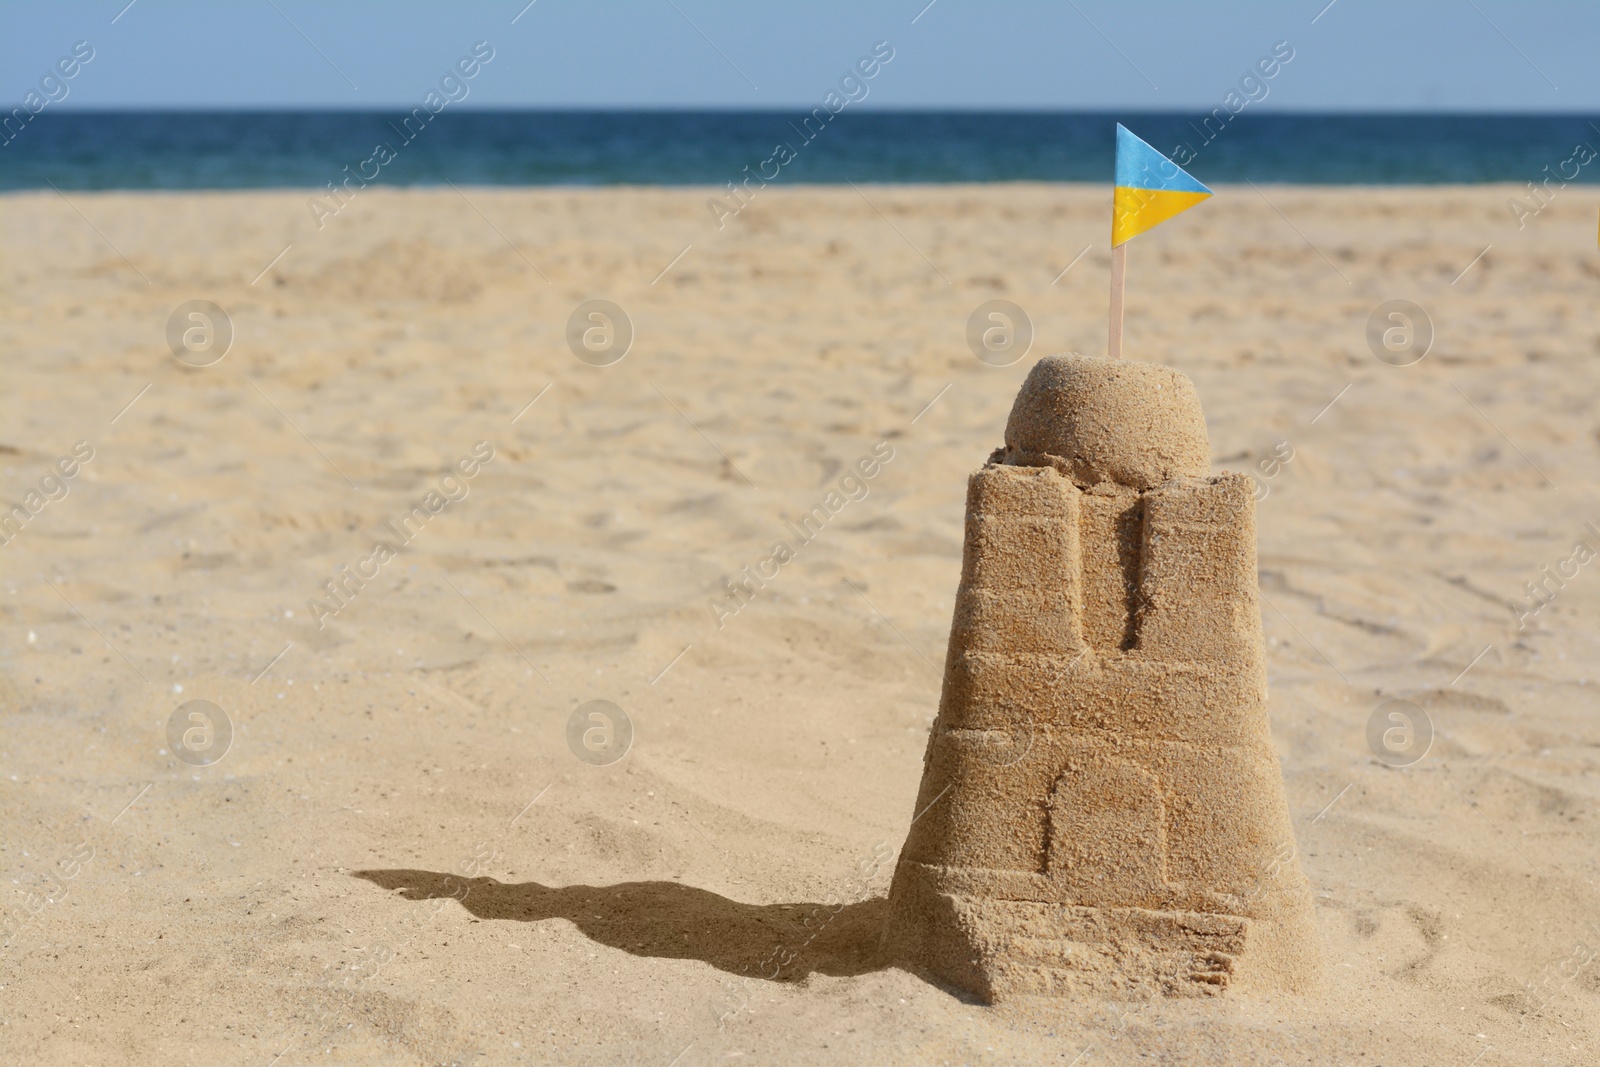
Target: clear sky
<point>1456,55</point>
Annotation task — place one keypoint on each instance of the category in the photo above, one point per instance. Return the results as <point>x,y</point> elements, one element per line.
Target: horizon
<point>911,109</point>
<point>236,148</point>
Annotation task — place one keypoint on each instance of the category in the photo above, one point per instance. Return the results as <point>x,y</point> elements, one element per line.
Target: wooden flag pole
<point>1119,272</point>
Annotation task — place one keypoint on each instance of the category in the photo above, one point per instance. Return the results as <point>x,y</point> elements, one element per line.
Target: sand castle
<point>1101,809</point>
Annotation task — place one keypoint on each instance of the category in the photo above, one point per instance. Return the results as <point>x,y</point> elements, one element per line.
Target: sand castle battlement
<point>1102,807</point>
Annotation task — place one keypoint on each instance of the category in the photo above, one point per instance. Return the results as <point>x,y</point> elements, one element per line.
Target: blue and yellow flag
<point>1150,188</point>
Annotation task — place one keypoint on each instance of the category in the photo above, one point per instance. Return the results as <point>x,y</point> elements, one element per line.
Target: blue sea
<point>242,149</point>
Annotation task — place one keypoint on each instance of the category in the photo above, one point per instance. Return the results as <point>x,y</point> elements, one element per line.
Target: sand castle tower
<point>1101,807</point>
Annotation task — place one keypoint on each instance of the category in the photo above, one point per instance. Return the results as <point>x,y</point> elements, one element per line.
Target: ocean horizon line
<point>775,109</point>
<point>737,148</point>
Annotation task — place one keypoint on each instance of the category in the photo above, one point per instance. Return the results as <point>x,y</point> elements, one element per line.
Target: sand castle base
<point>1101,808</point>
<point>998,947</point>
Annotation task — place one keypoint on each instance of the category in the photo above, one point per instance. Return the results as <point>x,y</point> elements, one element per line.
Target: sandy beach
<point>400,858</point>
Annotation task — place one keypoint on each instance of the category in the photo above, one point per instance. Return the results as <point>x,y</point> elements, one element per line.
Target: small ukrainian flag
<point>1150,188</point>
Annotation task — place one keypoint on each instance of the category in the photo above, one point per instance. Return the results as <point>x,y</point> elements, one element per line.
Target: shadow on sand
<point>667,920</point>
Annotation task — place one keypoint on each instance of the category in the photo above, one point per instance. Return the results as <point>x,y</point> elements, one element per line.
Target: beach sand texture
<point>401,860</point>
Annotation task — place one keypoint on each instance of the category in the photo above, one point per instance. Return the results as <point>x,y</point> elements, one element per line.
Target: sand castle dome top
<point>1111,420</point>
